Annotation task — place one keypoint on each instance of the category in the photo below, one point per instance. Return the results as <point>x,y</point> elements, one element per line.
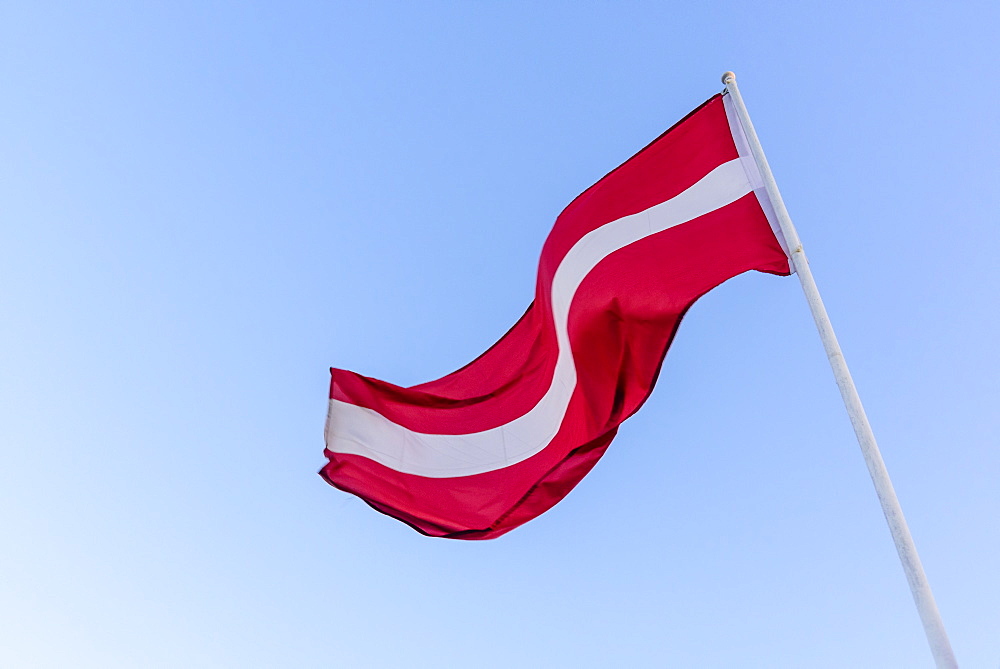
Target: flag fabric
<point>478,452</point>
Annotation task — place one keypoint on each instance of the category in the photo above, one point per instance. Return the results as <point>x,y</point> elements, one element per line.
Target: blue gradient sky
<point>203,206</point>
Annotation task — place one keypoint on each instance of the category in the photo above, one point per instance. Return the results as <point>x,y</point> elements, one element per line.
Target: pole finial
<point>728,76</point>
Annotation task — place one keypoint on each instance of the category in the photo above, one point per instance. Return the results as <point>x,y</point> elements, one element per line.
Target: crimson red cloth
<point>621,322</point>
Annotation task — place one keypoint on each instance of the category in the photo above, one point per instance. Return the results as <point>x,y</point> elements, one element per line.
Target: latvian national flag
<point>489,447</point>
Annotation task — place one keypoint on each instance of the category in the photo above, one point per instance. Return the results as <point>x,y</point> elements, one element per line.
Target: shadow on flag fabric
<point>500,441</point>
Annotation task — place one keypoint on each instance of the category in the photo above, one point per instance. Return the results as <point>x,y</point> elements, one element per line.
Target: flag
<point>476,453</point>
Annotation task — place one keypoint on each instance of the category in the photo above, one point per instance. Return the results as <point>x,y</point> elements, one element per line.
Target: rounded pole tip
<point>728,76</point>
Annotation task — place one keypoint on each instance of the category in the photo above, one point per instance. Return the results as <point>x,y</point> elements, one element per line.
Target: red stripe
<point>502,384</point>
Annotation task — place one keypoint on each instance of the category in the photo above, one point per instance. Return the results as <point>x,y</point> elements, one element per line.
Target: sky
<point>205,205</point>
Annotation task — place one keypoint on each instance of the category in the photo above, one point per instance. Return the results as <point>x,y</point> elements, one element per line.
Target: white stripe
<point>362,431</point>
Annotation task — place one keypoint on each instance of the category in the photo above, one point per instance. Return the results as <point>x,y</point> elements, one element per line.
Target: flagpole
<point>921,589</point>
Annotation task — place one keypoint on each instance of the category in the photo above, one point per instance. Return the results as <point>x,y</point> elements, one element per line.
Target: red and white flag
<point>489,447</point>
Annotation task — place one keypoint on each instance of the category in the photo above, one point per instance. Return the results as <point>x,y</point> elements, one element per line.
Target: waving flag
<point>489,447</point>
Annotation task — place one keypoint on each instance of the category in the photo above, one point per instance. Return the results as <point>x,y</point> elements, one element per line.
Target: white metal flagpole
<point>929,615</point>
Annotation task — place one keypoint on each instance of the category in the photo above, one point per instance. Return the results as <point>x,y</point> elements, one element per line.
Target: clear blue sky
<point>203,206</point>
